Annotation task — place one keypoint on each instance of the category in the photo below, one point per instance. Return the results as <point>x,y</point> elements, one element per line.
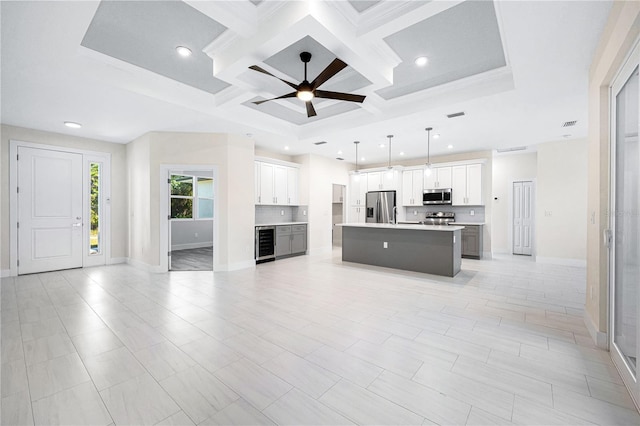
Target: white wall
<point>317,176</point>
<point>118,182</point>
<point>232,155</point>
<point>561,202</point>
<point>507,169</point>
<point>188,234</point>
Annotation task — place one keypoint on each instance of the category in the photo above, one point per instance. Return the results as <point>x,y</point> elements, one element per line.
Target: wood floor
<point>198,259</point>
<point>306,340</point>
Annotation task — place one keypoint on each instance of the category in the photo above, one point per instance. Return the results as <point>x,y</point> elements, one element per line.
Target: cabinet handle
<point>259,199</point>
<point>289,200</point>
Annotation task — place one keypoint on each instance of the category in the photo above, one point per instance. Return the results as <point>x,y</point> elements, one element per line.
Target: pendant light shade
<point>427,169</point>
<point>389,162</point>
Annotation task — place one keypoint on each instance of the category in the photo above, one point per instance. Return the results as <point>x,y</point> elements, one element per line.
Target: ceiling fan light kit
<point>306,91</point>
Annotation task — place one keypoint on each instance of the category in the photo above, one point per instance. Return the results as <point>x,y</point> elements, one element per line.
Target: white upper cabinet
<point>466,185</point>
<point>383,180</point>
<point>412,187</point>
<point>357,214</point>
<point>292,186</point>
<point>440,177</point>
<point>276,184</point>
<point>358,183</point>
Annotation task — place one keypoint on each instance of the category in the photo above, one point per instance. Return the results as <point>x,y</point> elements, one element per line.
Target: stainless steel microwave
<point>436,196</point>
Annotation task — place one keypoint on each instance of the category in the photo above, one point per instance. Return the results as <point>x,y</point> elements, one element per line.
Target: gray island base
<point>430,249</point>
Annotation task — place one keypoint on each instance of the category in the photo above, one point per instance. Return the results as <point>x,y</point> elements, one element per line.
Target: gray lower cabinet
<point>472,241</point>
<point>291,240</point>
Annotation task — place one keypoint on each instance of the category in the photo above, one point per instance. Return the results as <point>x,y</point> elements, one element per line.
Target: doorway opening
<point>191,205</point>
<point>337,212</point>
<point>623,235</point>
<point>522,224</point>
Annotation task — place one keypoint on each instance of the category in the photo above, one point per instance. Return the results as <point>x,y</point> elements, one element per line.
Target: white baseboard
<point>500,251</point>
<point>5,273</point>
<point>191,245</point>
<point>144,266</point>
<point>320,250</point>
<point>117,260</point>
<point>578,263</point>
<point>487,255</point>
<point>237,266</point>
<point>599,338</point>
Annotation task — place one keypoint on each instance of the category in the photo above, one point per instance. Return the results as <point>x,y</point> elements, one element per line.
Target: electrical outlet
<point>415,212</point>
<point>548,213</point>
<point>195,235</point>
<point>304,212</point>
<point>472,212</point>
<point>281,212</point>
<point>385,245</point>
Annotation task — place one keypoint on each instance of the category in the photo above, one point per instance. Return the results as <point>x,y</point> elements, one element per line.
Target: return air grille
<point>515,148</point>
<point>455,114</point>
<point>320,143</point>
<point>338,158</point>
<point>569,123</point>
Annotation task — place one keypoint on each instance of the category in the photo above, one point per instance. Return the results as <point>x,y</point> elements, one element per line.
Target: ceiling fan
<point>306,91</point>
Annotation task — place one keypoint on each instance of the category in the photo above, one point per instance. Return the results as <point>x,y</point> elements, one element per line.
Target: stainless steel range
<point>439,218</point>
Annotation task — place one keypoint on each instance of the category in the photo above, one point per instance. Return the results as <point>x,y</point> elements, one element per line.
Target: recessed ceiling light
<point>340,152</point>
<point>436,135</point>
<point>421,61</point>
<point>401,152</point>
<point>286,148</point>
<point>362,159</point>
<point>381,145</point>
<point>449,146</point>
<point>72,124</point>
<point>183,51</point>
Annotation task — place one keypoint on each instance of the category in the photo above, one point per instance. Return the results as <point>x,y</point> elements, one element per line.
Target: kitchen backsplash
<point>281,214</point>
<point>463,213</point>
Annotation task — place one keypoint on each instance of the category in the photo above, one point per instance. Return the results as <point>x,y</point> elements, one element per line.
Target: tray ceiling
<point>112,65</point>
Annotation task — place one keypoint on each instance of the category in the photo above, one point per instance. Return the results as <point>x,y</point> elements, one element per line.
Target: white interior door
<point>522,218</point>
<point>50,210</point>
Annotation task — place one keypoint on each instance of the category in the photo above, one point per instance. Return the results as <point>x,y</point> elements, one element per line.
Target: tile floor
<point>198,259</point>
<point>306,340</point>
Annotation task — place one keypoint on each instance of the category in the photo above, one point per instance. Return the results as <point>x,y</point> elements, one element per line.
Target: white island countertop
<point>413,227</point>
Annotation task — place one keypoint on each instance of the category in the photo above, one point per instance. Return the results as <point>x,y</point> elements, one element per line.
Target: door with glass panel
<point>624,268</point>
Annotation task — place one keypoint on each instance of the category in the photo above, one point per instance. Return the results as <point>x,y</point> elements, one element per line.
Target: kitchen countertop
<point>282,224</point>
<point>413,227</point>
<point>468,223</point>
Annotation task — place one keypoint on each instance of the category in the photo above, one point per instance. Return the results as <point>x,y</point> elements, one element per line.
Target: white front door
<point>49,210</point>
<point>523,217</point>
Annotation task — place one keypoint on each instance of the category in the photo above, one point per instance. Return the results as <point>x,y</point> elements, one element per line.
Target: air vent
<point>320,143</point>
<point>338,158</point>
<point>569,123</point>
<point>515,148</point>
<point>455,114</point>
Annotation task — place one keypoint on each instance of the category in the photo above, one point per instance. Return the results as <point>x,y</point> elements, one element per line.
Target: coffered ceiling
<point>518,70</point>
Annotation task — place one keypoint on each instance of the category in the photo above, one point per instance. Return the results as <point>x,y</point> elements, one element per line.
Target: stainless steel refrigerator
<point>381,206</point>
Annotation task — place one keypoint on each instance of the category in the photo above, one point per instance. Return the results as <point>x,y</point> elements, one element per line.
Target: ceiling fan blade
<point>311,111</point>
<point>339,96</point>
<point>288,95</point>
<point>334,68</point>
<point>257,68</point>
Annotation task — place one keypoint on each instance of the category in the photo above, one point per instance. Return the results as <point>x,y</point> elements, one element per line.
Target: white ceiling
<point>518,69</point>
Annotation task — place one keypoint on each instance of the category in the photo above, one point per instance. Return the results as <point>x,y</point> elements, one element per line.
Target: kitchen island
<point>432,249</point>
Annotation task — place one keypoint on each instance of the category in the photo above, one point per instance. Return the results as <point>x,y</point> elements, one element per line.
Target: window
<point>191,197</point>
<point>95,207</point>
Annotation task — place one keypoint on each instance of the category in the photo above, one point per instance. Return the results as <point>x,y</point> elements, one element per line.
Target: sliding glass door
<point>625,225</point>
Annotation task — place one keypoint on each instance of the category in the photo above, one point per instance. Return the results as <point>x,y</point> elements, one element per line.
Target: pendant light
<point>427,170</point>
<point>356,144</point>
<point>389,162</point>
